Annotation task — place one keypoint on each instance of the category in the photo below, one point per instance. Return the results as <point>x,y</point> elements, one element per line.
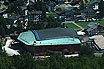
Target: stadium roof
<point>52,36</point>
<point>55,33</point>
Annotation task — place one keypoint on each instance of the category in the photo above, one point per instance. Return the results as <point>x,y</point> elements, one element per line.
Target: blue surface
<point>36,35</point>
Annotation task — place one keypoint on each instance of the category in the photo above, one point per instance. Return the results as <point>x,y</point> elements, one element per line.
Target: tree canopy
<point>3,23</point>
<point>13,8</point>
<point>26,61</point>
<point>101,9</point>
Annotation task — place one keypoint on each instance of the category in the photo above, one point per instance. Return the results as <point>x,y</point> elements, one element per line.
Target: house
<point>60,16</point>
<point>24,9</point>
<point>88,14</point>
<point>12,19</point>
<point>4,13</point>
<point>50,41</point>
<point>93,29</point>
<point>3,9</point>
<point>98,43</point>
<point>60,1</point>
<point>34,16</point>
<point>68,14</point>
<point>74,2</point>
<point>50,6</point>
<point>1,12</point>
<point>94,5</point>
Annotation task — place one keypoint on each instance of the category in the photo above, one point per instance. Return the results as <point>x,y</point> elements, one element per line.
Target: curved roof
<point>54,33</point>
<point>52,36</point>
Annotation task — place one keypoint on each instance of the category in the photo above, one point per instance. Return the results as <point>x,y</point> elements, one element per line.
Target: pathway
<point>74,24</point>
<point>78,26</point>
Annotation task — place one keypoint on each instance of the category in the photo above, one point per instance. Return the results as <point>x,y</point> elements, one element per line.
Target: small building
<point>60,1</point>
<point>94,5</point>
<point>12,19</point>
<point>93,29</point>
<point>88,14</point>
<point>34,16</point>
<point>50,41</point>
<point>98,41</point>
<point>50,6</point>
<point>68,14</point>
<point>24,9</point>
<point>74,2</point>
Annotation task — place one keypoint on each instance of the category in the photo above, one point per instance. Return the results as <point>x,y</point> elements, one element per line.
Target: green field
<point>101,22</point>
<point>51,14</point>
<point>70,25</point>
<point>84,24</point>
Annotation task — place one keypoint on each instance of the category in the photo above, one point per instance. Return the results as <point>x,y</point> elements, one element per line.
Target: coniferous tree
<point>82,5</point>
<point>101,9</point>
<point>3,23</point>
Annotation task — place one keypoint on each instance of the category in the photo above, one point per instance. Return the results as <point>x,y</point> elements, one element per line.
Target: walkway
<point>74,24</point>
<point>78,26</point>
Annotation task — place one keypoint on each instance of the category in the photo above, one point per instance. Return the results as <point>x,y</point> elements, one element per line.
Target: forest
<point>85,60</point>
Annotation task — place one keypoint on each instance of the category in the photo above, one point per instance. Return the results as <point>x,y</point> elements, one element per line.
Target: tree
<point>35,25</point>
<point>82,6</point>
<point>101,9</point>
<point>69,0</point>
<point>3,23</point>
<point>23,61</point>
<point>86,50</point>
<point>52,22</point>
<point>0,47</point>
<point>2,31</point>
<point>19,27</point>
<point>13,8</point>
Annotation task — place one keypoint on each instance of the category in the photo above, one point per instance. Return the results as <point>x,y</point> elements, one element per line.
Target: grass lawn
<point>101,22</point>
<point>70,25</point>
<point>51,14</point>
<point>84,24</point>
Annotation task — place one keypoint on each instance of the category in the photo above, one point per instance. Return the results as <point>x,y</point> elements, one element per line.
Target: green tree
<point>52,22</point>
<point>19,27</point>
<point>13,8</point>
<point>86,50</point>
<point>23,61</point>
<point>3,23</point>
<point>101,9</point>
<point>82,6</point>
<point>2,30</point>
<point>69,0</point>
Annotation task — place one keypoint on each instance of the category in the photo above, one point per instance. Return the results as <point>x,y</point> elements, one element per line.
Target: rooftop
<point>99,40</point>
<point>53,36</point>
<point>55,33</point>
<point>35,12</point>
<point>91,2</point>
<point>92,26</point>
